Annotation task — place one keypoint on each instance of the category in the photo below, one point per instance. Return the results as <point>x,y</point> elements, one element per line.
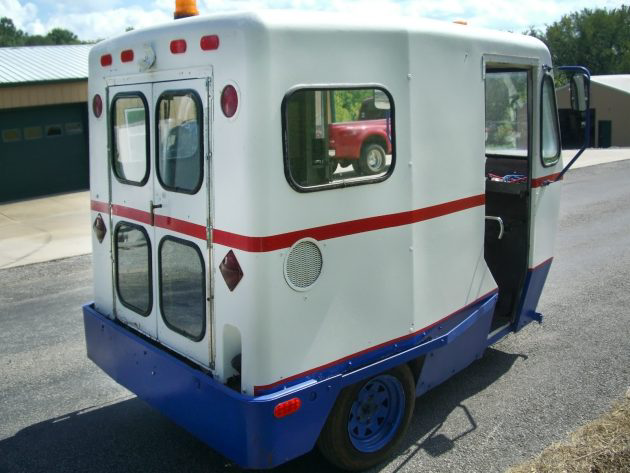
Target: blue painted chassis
<point>243,428</point>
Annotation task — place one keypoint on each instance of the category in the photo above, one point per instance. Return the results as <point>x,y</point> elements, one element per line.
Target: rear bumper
<point>242,428</point>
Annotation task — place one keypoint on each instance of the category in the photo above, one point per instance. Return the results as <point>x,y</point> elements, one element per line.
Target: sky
<point>98,19</point>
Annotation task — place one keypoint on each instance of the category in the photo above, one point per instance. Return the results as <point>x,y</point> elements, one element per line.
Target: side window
<point>182,287</point>
<point>507,112</point>
<point>130,134</point>
<point>550,136</point>
<point>133,267</point>
<point>180,146</point>
<point>338,137</point>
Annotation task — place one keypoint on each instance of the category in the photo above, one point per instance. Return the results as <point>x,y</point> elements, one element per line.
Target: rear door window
<point>130,138</point>
<point>180,144</point>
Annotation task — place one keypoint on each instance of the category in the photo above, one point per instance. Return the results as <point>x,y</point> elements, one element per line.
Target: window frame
<point>147,126</point>
<point>199,115</point>
<point>490,69</point>
<point>143,230</point>
<point>341,184</point>
<point>547,164</point>
<point>203,285</point>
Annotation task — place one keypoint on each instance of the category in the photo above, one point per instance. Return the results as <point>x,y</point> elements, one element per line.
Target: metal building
<point>610,113</point>
<point>43,120</point>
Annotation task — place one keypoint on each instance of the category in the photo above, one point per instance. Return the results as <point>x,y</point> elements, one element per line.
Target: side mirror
<point>381,100</point>
<point>579,92</point>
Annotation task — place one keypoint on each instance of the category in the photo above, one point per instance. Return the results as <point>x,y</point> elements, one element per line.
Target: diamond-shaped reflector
<point>100,230</point>
<point>231,270</point>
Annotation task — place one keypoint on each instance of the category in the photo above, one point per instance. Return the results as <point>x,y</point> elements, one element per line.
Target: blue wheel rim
<point>376,413</point>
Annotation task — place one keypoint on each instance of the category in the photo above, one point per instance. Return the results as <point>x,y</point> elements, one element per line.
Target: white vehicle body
<point>399,254</point>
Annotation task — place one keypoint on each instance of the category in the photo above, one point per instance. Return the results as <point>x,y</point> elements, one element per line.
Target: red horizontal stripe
<point>181,226</point>
<point>336,230</point>
<point>99,206</point>
<point>133,214</point>
<point>285,240</point>
<point>540,181</point>
<point>367,350</point>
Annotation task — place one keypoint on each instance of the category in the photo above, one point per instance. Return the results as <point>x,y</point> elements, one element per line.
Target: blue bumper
<point>242,428</point>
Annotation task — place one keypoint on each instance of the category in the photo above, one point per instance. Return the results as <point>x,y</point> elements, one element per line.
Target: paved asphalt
<point>59,413</point>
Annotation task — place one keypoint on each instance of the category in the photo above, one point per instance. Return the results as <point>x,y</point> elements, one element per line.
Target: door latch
<point>153,207</point>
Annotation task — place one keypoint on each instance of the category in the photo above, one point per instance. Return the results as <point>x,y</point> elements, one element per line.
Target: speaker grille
<point>303,265</point>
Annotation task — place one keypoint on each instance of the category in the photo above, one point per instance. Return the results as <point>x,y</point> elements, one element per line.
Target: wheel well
<point>374,139</point>
<point>416,367</point>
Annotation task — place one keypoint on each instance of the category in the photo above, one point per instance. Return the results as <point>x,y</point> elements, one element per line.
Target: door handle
<point>153,207</point>
<point>499,220</point>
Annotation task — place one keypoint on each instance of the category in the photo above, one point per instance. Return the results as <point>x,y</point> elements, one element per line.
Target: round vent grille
<point>303,265</point>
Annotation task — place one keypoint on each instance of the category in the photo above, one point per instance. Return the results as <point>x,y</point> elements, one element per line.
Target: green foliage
<point>11,36</point>
<point>598,39</point>
<point>348,103</point>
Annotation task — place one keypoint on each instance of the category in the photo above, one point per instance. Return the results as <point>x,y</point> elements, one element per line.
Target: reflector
<point>178,46</point>
<point>100,230</point>
<point>126,55</point>
<point>209,43</point>
<point>106,60</point>
<point>229,101</point>
<point>97,106</point>
<point>231,270</point>
<point>287,408</point>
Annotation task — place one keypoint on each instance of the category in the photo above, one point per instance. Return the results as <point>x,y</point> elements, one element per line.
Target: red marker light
<point>126,55</point>
<point>229,101</point>
<point>97,106</point>
<point>178,46</point>
<point>287,408</point>
<point>106,60</point>
<point>209,43</point>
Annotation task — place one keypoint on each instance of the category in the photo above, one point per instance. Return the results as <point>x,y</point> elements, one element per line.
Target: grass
<point>602,446</point>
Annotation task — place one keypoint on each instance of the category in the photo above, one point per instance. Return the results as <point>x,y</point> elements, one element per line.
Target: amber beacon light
<point>185,8</point>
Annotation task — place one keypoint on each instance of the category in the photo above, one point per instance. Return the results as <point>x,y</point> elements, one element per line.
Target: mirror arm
<point>587,124</point>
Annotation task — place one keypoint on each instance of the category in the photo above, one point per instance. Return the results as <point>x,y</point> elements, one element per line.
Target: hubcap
<point>376,414</point>
<point>375,160</point>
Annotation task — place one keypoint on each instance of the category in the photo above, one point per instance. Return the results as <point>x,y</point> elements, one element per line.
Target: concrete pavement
<point>37,230</point>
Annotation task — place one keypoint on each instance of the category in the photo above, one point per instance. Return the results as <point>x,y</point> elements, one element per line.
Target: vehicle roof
<point>291,21</point>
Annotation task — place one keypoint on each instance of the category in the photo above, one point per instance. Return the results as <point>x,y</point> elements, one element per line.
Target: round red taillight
<point>229,101</point>
<point>97,105</point>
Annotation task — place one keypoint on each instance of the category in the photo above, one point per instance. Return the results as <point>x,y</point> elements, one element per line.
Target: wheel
<point>368,420</point>
<point>373,159</point>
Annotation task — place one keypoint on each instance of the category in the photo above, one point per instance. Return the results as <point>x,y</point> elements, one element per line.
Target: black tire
<point>373,159</point>
<point>341,447</point>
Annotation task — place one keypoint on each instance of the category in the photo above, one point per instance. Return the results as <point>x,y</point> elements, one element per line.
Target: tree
<point>598,39</point>
<point>11,36</point>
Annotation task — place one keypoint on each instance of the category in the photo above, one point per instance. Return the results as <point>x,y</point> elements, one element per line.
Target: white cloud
<point>107,23</point>
<point>92,19</point>
<point>20,14</point>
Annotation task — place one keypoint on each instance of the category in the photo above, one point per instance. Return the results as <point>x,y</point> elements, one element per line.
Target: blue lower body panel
<point>242,428</point>
<point>534,283</point>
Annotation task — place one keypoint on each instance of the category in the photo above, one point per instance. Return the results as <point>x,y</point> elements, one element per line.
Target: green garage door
<point>43,150</point>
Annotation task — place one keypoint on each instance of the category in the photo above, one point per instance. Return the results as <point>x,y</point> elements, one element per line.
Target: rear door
<point>160,212</point>
<point>181,217</point>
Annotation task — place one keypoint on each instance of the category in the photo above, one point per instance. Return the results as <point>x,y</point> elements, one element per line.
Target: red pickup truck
<point>364,143</point>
